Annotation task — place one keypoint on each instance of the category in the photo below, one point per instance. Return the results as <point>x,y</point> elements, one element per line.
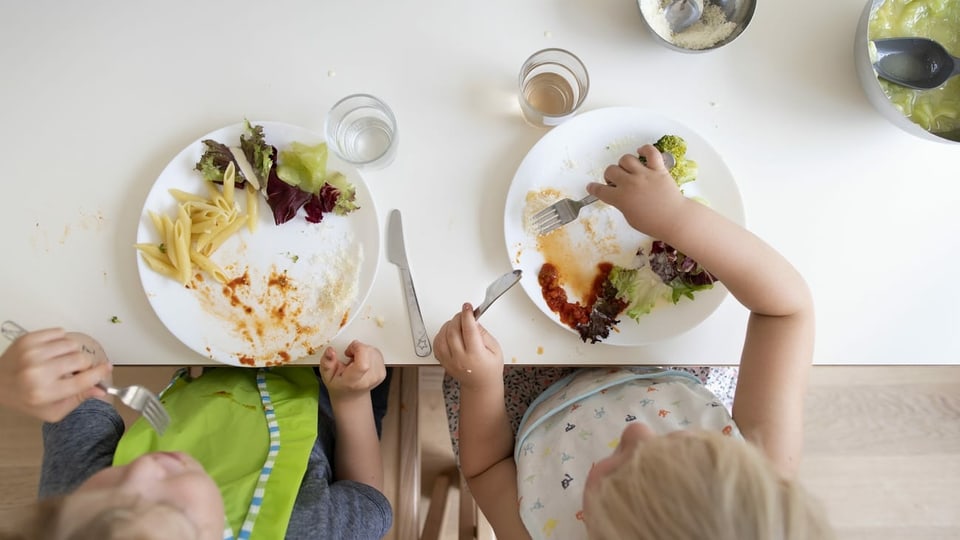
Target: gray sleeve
<point>345,509</point>
<point>78,446</point>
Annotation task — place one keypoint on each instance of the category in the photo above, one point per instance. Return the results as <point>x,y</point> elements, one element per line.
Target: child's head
<point>689,485</point>
<point>159,495</point>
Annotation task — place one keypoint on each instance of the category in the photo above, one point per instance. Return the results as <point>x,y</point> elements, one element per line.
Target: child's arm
<point>778,348</point>
<point>473,357</point>
<point>48,373</point>
<point>357,452</point>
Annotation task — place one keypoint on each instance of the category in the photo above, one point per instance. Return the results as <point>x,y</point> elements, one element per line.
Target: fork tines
<point>559,214</point>
<point>156,415</point>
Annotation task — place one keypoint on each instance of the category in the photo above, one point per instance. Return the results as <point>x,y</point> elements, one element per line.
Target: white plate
<point>576,153</point>
<point>338,251</point>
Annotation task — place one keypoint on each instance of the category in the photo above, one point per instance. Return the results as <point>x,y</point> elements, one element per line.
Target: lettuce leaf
<point>346,194</point>
<point>640,288</point>
<point>304,166</point>
<point>257,151</point>
<point>603,314</point>
<point>284,200</point>
<point>214,161</point>
<point>683,274</point>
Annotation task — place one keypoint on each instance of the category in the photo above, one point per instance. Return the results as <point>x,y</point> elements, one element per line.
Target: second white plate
<point>576,153</point>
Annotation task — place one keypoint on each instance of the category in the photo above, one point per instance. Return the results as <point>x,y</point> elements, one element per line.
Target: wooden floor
<point>882,448</point>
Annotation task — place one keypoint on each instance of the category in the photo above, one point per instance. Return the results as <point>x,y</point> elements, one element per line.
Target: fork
<point>138,398</point>
<point>559,214</point>
<point>564,211</point>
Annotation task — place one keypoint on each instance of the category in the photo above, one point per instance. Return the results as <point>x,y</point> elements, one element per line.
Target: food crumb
<point>513,360</point>
<point>540,350</point>
<point>115,320</point>
<point>331,73</point>
<point>547,34</point>
<point>379,321</point>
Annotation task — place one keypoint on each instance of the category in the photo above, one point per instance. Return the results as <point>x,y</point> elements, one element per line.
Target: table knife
<point>396,253</point>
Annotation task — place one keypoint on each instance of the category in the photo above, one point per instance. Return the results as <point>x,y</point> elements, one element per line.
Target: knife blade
<point>397,254</point>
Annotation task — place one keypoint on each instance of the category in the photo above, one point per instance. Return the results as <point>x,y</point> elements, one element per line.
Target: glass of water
<point>362,130</point>
<point>553,85</point>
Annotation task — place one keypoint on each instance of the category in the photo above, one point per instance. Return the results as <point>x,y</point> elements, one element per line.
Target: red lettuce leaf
<point>284,200</point>
<point>322,202</point>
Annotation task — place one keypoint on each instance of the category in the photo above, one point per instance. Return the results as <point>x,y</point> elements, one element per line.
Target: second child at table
<point>613,453</point>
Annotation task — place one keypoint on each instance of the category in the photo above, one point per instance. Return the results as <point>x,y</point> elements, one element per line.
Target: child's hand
<point>364,371</point>
<point>645,193</point>
<point>48,373</point>
<point>468,352</point>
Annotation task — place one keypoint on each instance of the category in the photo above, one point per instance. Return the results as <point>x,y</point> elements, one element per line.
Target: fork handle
<point>11,330</point>
<point>589,199</point>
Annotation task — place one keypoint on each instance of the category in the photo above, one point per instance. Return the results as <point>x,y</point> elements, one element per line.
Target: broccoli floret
<point>684,170</point>
<point>673,144</point>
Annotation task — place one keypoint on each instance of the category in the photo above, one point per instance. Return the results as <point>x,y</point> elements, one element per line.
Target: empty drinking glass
<point>362,130</point>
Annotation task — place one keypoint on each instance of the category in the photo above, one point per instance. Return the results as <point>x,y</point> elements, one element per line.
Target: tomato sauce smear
<point>572,314</point>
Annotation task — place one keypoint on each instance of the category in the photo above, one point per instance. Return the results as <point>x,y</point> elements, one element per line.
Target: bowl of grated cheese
<point>720,22</point>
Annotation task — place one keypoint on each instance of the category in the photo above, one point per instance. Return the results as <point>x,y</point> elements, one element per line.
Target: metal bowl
<point>874,91</point>
<point>737,12</point>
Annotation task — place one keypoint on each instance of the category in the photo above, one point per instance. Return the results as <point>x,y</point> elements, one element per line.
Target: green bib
<point>253,431</point>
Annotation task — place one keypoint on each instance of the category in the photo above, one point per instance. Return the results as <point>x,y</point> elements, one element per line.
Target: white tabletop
<point>96,97</point>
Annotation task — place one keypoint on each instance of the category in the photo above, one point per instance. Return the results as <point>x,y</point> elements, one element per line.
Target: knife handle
<point>421,341</point>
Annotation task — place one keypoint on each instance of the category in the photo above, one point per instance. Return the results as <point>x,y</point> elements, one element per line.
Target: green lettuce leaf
<point>304,166</point>
<point>347,199</point>
<point>640,288</point>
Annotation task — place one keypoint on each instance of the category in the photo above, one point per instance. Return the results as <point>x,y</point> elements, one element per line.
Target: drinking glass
<point>553,85</point>
<point>362,130</point>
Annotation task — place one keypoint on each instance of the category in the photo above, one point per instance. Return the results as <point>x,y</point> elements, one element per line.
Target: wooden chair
<point>402,462</point>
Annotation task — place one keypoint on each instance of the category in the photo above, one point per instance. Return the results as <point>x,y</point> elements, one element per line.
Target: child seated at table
<point>223,468</point>
<point>534,444</point>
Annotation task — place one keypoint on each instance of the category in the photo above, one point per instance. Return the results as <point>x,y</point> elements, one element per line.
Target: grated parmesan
<point>711,29</point>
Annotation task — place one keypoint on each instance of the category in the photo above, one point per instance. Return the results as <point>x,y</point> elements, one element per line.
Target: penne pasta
<point>181,237</point>
<point>170,241</point>
<point>157,223</point>
<point>184,197</point>
<point>153,250</point>
<point>202,224</point>
<point>229,179</point>
<point>209,266</point>
<point>222,236</point>
<point>160,266</point>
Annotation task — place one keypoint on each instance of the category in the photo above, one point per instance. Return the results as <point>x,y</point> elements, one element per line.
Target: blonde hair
<point>44,520</point>
<point>703,485</point>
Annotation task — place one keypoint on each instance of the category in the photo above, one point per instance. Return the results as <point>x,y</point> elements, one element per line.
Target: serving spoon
<point>682,14</point>
<point>918,63</point>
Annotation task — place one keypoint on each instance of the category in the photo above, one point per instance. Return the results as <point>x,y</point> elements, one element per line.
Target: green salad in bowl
<point>937,111</point>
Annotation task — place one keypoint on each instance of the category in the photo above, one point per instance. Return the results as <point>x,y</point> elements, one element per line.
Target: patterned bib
<point>579,420</point>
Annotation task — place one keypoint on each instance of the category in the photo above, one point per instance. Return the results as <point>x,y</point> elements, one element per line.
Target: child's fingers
<point>71,363</point>
<point>472,340</point>
<point>653,156</point>
<point>77,384</point>
<point>328,361</point>
<point>630,163</point>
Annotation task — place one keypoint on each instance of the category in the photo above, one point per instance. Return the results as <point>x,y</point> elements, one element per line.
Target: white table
<point>96,97</point>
